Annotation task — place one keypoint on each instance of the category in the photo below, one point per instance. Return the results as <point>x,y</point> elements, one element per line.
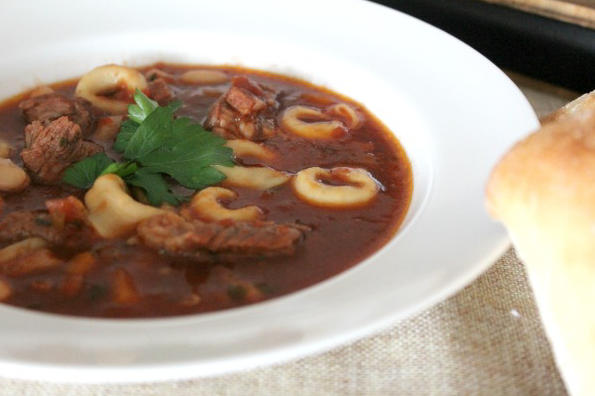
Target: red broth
<point>338,238</point>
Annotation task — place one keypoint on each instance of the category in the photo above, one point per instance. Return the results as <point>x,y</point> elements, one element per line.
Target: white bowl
<point>454,112</point>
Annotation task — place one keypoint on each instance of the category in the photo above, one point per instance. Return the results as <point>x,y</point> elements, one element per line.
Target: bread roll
<point>583,103</point>
<point>543,191</point>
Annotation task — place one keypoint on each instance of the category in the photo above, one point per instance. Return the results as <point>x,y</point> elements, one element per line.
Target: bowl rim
<point>58,348</point>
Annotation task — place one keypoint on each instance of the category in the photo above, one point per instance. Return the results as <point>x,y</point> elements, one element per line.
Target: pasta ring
<point>207,206</point>
<point>6,149</point>
<point>112,212</point>
<point>244,147</point>
<point>203,77</point>
<point>110,77</point>
<point>255,177</point>
<point>20,248</point>
<point>345,111</point>
<point>361,189</point>
<point>292,120</point>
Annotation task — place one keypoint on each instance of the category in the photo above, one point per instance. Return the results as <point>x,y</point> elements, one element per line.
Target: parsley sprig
<point>155,144</point>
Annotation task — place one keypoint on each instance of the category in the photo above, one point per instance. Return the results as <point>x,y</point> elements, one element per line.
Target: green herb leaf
<point>155,144</point>
<point>127,129</point>
<point>175,105</point>
<point>237,293</point>
<point>143,107</point>
<point>98,291</point>
<point>83,173</point>
<point>136,115</point>
<point>154,186</point>
<point>120,169</point>
<point>151,134</point>
<point>188,155</point>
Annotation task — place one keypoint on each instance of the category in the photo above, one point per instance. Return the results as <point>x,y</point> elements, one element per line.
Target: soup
<point>218,187</point>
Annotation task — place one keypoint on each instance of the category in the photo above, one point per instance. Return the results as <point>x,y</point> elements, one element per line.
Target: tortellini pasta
<point>293,120</point>
<point>359,190</point>
<point>12,177</point>
<point>110,78</point>
<point>313,123</point>
<point>206,205</point>
<point>203,77</point>
<point>113,212</point>
<point>243,147</point>
<point>256,177</point>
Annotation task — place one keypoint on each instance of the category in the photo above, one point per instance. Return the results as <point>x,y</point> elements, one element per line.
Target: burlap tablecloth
<point>485,340</point>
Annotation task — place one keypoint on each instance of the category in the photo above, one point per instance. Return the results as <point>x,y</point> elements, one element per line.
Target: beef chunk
<point>243,101</point>
<point>51,149</point>
<point>160,91</point>
<point>17,226</point>
<point>47,108</point>
<point>245,111</point>
<point>219,241</point>
<point>159,88</point>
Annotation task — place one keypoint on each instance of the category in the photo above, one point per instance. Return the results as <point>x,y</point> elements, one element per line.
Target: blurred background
<point>549,40</point>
